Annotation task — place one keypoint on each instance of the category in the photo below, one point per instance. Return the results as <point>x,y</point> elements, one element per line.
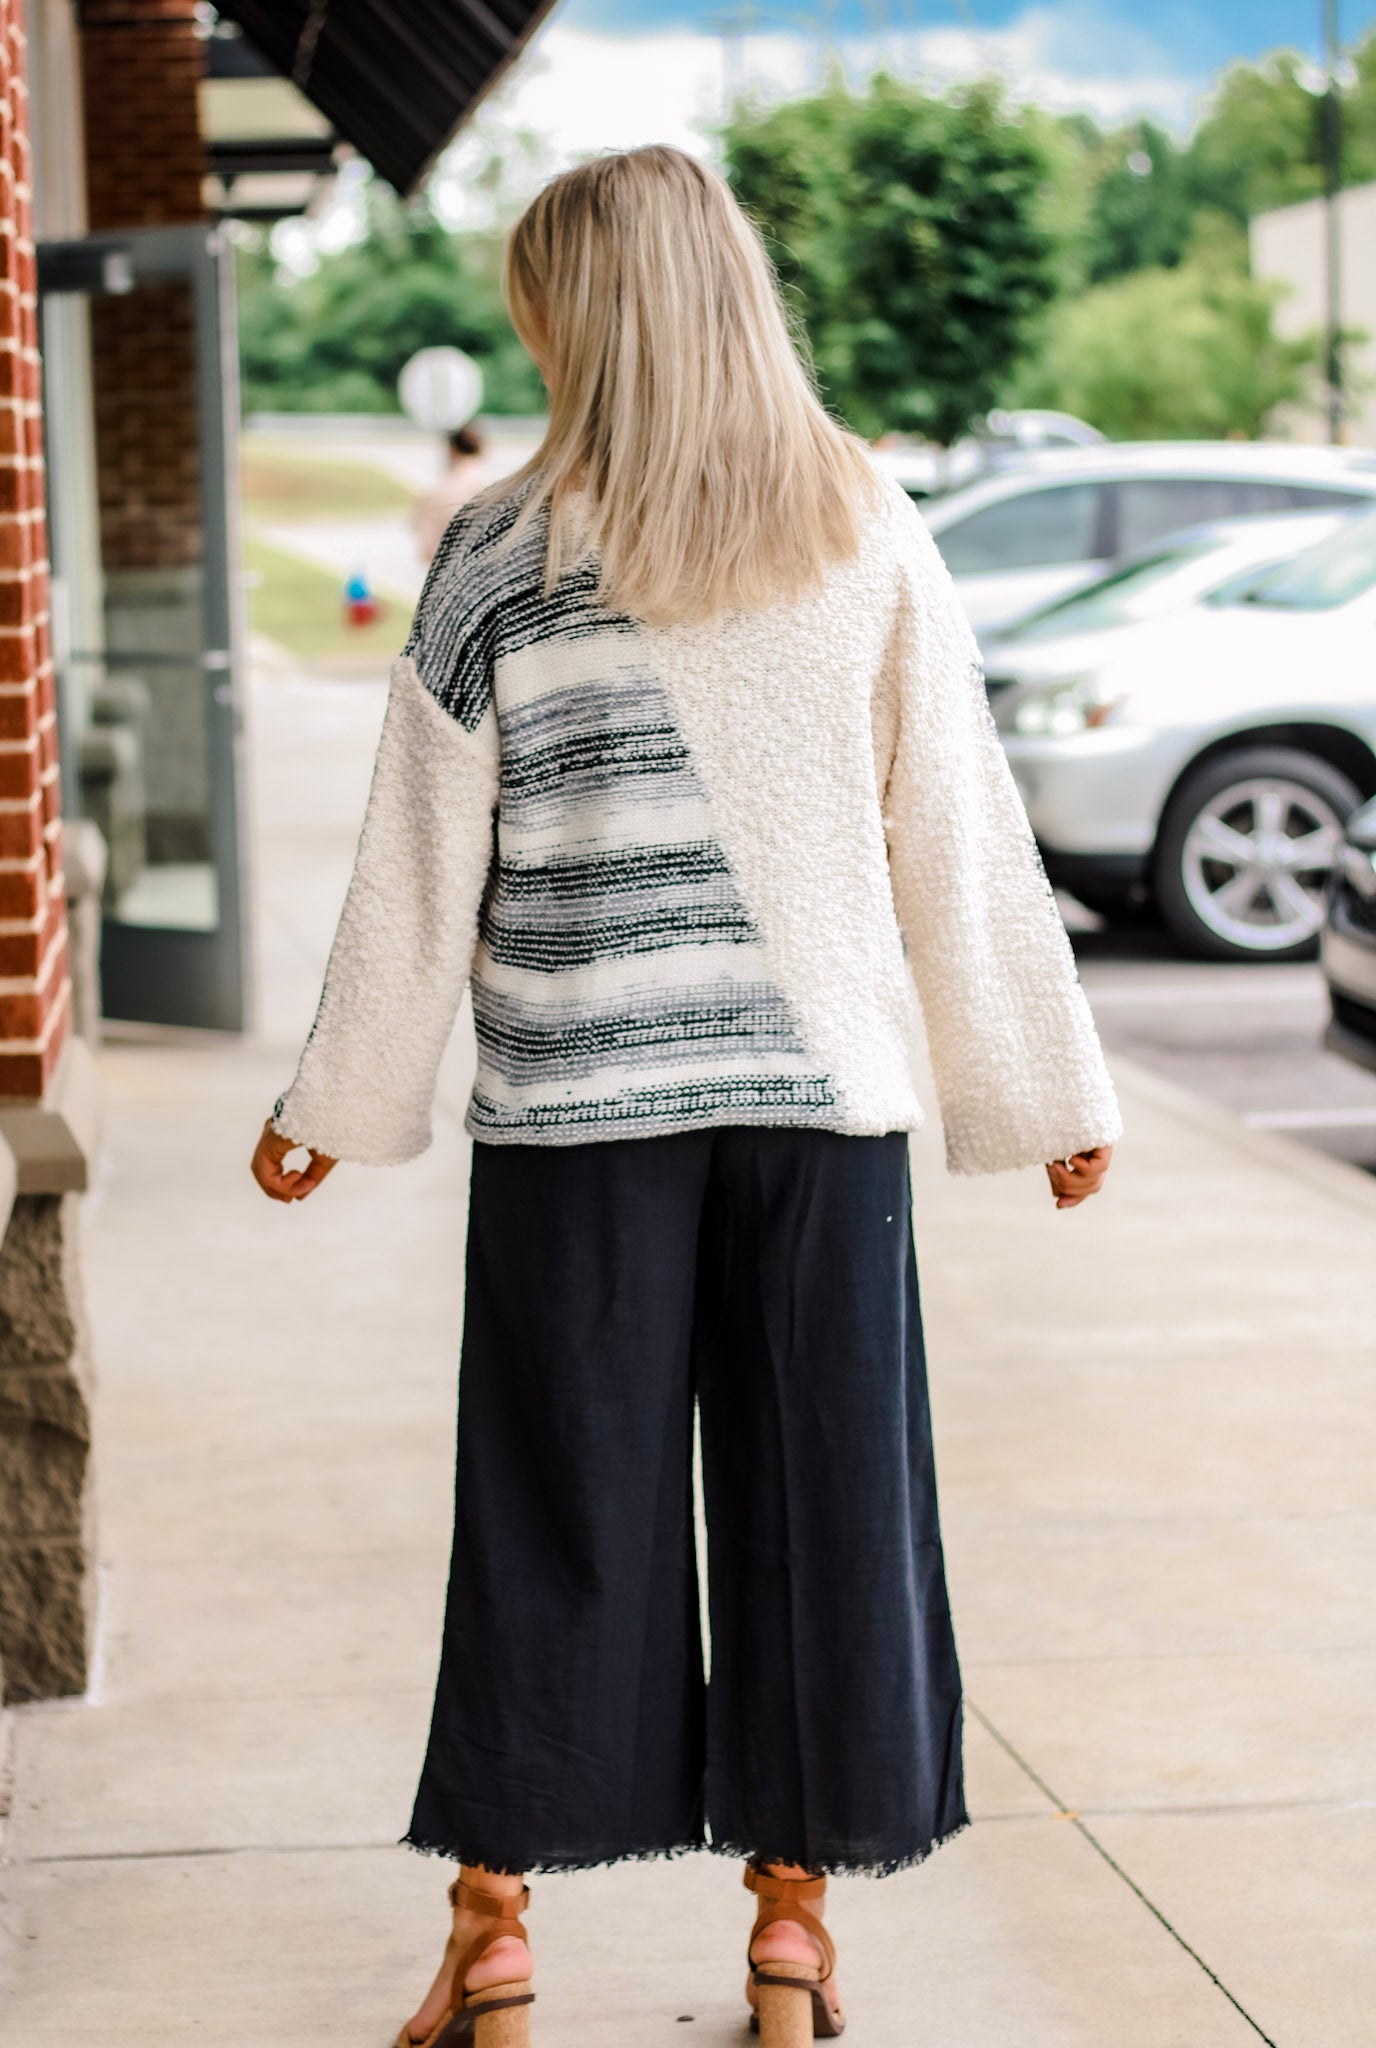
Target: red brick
<point>20,895</point>
<point>20,953</point>
<point>24,952</point>
<point>18,718</point>
<point>21,834</point>
<point>18,774</point>
<point>16,657</point>
<point>22,1016</point>
<point>22,1076</point>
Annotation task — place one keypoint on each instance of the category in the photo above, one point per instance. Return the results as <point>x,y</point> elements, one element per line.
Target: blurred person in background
<point>464,476</point>
<point>688,771</point>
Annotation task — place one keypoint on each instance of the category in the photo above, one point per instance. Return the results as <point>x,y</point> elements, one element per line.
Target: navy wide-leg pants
<point>767,1276</point>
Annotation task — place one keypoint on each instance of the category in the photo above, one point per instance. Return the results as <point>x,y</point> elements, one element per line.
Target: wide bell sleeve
<point>404,947</point>
<point>1019,1072</point>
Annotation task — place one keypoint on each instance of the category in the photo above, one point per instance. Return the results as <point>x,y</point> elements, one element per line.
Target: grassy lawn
<point>302,608</point>
<point>280,484</point>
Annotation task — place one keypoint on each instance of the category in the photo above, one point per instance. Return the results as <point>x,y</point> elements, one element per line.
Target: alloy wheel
<point>1256,860</point>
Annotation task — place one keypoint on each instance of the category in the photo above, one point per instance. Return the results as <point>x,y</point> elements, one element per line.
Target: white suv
<point>1027,535</point>
<point>1204,762</point>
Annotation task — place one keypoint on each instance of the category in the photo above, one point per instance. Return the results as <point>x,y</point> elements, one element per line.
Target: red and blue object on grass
<point>361,607</point>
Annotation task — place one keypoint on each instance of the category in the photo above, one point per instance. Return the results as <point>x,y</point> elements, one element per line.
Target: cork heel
<point>499,2019</point>
<point>498,2016</point>
<point>794,2002</point>
<point>786,2004</point>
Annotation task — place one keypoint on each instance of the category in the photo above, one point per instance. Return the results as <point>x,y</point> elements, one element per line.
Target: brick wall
<point>141,64</point>
<point>35,994</point>
<point>143,370</point>
<point>141,71</point>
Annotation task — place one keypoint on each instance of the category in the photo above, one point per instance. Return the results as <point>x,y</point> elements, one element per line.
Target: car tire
<point>1233,874</point>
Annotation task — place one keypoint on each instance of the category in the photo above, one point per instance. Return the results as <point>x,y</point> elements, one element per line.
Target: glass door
<point>140,408</point>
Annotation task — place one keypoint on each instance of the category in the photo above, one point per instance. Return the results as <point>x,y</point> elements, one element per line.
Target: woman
<point>687,750</point>
<point>465,473</point>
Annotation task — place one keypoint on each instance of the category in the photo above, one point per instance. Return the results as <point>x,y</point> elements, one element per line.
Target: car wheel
<point>1245,850</point>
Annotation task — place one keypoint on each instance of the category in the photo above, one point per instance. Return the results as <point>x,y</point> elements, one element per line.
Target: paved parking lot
<point>1247,1038</point>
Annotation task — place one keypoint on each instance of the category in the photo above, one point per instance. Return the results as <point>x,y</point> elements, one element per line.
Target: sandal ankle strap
<point>503,1918</point>
<point>766,1886</point>
<point>781,1898</point>
<point>491,1905</point>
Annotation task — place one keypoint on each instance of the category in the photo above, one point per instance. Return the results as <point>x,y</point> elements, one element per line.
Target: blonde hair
<point>682,419</point>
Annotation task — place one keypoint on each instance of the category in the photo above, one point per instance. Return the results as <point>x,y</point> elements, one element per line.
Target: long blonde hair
<point>682,420</point>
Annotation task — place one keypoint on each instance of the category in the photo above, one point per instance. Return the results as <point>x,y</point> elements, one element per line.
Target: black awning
<point>396,77</point>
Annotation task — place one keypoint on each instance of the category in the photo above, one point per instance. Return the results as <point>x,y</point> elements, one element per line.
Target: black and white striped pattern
<point>620,983</point>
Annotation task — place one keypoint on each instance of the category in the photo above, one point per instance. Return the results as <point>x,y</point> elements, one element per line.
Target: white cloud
<point>584,91</point>
<point>575,92</point>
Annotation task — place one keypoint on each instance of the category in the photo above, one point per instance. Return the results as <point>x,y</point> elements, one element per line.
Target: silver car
<point>1349,943</point>
<point>1058,521</point>
<point>1204,762</point>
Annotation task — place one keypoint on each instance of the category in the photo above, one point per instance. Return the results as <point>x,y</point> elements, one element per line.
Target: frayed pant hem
<point>836,1866</point>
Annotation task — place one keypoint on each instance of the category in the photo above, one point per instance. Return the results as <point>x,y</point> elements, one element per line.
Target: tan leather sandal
<point>498,2016</point>
<point>782,2019</point>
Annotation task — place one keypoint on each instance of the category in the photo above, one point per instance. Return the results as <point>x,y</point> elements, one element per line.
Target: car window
<point>1319,498</point>
<point>1033,530</point>
<point>1151,507</point>
<point>1339,569</point>
<point>1137,591</point>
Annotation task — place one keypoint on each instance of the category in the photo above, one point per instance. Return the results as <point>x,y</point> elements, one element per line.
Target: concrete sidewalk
<point>1157,1432</point>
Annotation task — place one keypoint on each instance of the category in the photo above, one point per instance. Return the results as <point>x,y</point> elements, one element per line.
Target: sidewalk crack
<point>1063,1808</point>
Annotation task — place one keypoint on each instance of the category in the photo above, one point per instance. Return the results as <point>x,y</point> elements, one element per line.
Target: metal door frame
<point>200,977</point>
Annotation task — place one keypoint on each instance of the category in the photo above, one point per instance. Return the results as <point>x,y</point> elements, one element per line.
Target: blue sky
<point>609,74</point>
<point>1197,36</point>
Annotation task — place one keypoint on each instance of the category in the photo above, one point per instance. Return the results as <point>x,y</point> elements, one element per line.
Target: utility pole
<point>1331,160</point>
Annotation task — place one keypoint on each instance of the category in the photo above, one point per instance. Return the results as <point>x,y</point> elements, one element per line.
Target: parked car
<point>1018,539</point>
<point>1005,439</point>
<point>1208,761</point>
<point>1179,571</point>
<point>1349,943</point>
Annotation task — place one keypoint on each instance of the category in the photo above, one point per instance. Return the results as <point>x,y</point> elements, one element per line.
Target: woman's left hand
<point>278,1182</point>
<point>1075,1179</point>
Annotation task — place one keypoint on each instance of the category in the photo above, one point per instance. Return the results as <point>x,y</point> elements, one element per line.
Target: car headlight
<point>1060,710</point>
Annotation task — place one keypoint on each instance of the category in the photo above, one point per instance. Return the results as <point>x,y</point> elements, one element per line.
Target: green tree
<point>1141,208</point>
<point>1258,144</point>
<point>336,340</point>
<point>910,236</point>
<point>1184,353</point>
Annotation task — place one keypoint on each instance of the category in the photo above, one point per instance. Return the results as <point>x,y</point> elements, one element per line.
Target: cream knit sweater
<point>698,874</point>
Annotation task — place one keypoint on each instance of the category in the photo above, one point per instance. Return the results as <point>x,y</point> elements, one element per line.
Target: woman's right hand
<point>277,1184</point>
<point>1075,1179</point>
